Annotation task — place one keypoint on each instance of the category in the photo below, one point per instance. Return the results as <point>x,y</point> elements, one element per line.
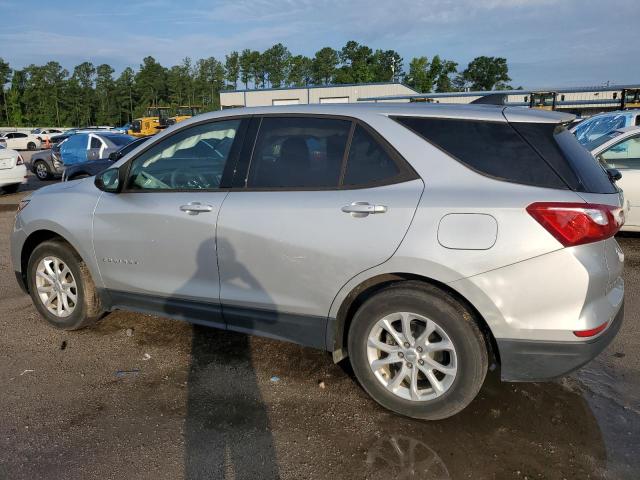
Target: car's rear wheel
<point>42,170</point>
<point>11,188</point>
<point>61,286</point>
<point>418,351</point>
<point>31,146</point>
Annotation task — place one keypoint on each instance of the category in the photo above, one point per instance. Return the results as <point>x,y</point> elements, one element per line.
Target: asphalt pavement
<point>140,396</point>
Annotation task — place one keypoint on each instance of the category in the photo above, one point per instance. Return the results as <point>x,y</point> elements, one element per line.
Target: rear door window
<point>299,152</point>
<point>368,161</point>
<point>95,142</point>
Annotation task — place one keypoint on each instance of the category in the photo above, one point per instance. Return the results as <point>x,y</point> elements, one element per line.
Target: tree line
<point>92,95</point>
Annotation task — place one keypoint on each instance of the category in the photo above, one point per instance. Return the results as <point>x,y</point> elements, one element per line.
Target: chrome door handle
<point>362,209</point>
<point>194,208</point>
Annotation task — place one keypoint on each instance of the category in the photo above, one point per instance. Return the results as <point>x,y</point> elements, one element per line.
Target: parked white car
<point>12,170</point>
<point>620,149</point>
<point>45,133</point>
<point>22,141</point>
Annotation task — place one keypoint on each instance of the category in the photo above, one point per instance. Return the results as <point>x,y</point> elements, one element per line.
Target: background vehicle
<point>83,147</point>
<point>154,120</point>
<point>594,127</point>
<point>12,170</point>
<point>620,149</point>
<point>41,164</point>
<point>22,141</point>
<point>93,167</point>
<point>76,148</point>
<point>543,100</point>
<point>123,129</point>
<point>313,224</point>
<point>183,113</point>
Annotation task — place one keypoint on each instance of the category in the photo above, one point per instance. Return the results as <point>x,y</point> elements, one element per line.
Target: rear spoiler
<point>491,99</point>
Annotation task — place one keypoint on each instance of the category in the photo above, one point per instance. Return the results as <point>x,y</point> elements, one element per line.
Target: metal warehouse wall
<point>332,93</point>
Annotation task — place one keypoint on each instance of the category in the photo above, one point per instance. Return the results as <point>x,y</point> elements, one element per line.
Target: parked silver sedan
<point>421,242</point>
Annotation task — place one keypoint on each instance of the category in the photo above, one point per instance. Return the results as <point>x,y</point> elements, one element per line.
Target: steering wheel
<point>188,178</point>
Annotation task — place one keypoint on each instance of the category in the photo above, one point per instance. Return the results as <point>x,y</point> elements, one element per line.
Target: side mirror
<point>115,156</point>
<point>614,174</point>
<point>109,180</point>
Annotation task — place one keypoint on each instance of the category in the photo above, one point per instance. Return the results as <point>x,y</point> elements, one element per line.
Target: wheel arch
<point>338,335</point>
<point>32,241</point>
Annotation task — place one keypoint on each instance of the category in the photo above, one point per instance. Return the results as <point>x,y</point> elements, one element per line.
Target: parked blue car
<point>593,128</point>
<point>83,147</point>
<point>93,167</point>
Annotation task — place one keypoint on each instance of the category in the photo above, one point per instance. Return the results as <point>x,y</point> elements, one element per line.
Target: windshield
<point>592,145</point>
<point>593,128</point>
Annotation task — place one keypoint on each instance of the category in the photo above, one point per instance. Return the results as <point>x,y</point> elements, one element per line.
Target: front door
<point>625,156</point>
<point>315,212</point>
<point>155,241</point>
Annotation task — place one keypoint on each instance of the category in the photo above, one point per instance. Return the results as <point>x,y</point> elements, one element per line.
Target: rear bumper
<point>532,360</point>
<point>11,176</point>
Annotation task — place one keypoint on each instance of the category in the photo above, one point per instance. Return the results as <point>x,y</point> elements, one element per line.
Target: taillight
<point>20,160</point>
<point>592,332</point>
<point>577,223</point>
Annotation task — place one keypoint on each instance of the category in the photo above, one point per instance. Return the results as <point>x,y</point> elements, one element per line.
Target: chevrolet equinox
<point>423,242</point>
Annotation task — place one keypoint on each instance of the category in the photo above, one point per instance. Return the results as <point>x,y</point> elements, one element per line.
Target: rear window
<point>490,148</point>
<point>538,154</point>
<point>559,147</point>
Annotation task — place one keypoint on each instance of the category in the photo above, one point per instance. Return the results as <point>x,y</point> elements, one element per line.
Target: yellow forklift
<point>183,112</point>
<point>630,98</point>
<point>543,100</point>
<point>154,120</point>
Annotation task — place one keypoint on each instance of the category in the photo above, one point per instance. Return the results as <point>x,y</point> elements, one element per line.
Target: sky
<point>546,43</point>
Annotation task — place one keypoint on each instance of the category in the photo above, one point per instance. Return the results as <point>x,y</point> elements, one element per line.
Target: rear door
<point>74,149</point>
<point>322,200</point>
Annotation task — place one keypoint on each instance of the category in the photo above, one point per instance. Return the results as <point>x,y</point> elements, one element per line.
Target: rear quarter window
<point>494,149</point>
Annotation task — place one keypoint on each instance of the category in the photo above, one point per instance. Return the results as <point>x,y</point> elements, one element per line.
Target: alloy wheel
<point>56,286</point>
<point>412,356</point>
<point>41,171</point>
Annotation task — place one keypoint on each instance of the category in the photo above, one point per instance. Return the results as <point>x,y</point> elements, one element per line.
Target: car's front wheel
<point>61,286</point>
<point>31,146</point>
<point>418,351</point>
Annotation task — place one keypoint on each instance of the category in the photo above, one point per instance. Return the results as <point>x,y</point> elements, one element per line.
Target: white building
<point>312,94</point>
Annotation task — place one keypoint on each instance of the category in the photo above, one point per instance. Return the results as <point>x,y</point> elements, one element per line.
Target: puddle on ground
<point>240,424</point>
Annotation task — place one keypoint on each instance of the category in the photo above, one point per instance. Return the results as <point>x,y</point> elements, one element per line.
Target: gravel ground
<point>139,396</point>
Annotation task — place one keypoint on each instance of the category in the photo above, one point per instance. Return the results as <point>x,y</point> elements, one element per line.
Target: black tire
<point>459,324</point>
<point>13,188</point>
<point>31,146</point>
<point>88,308</point>
<point>42,170</point>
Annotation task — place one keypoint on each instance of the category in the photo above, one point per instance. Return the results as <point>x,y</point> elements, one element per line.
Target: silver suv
<point>423,242</point>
